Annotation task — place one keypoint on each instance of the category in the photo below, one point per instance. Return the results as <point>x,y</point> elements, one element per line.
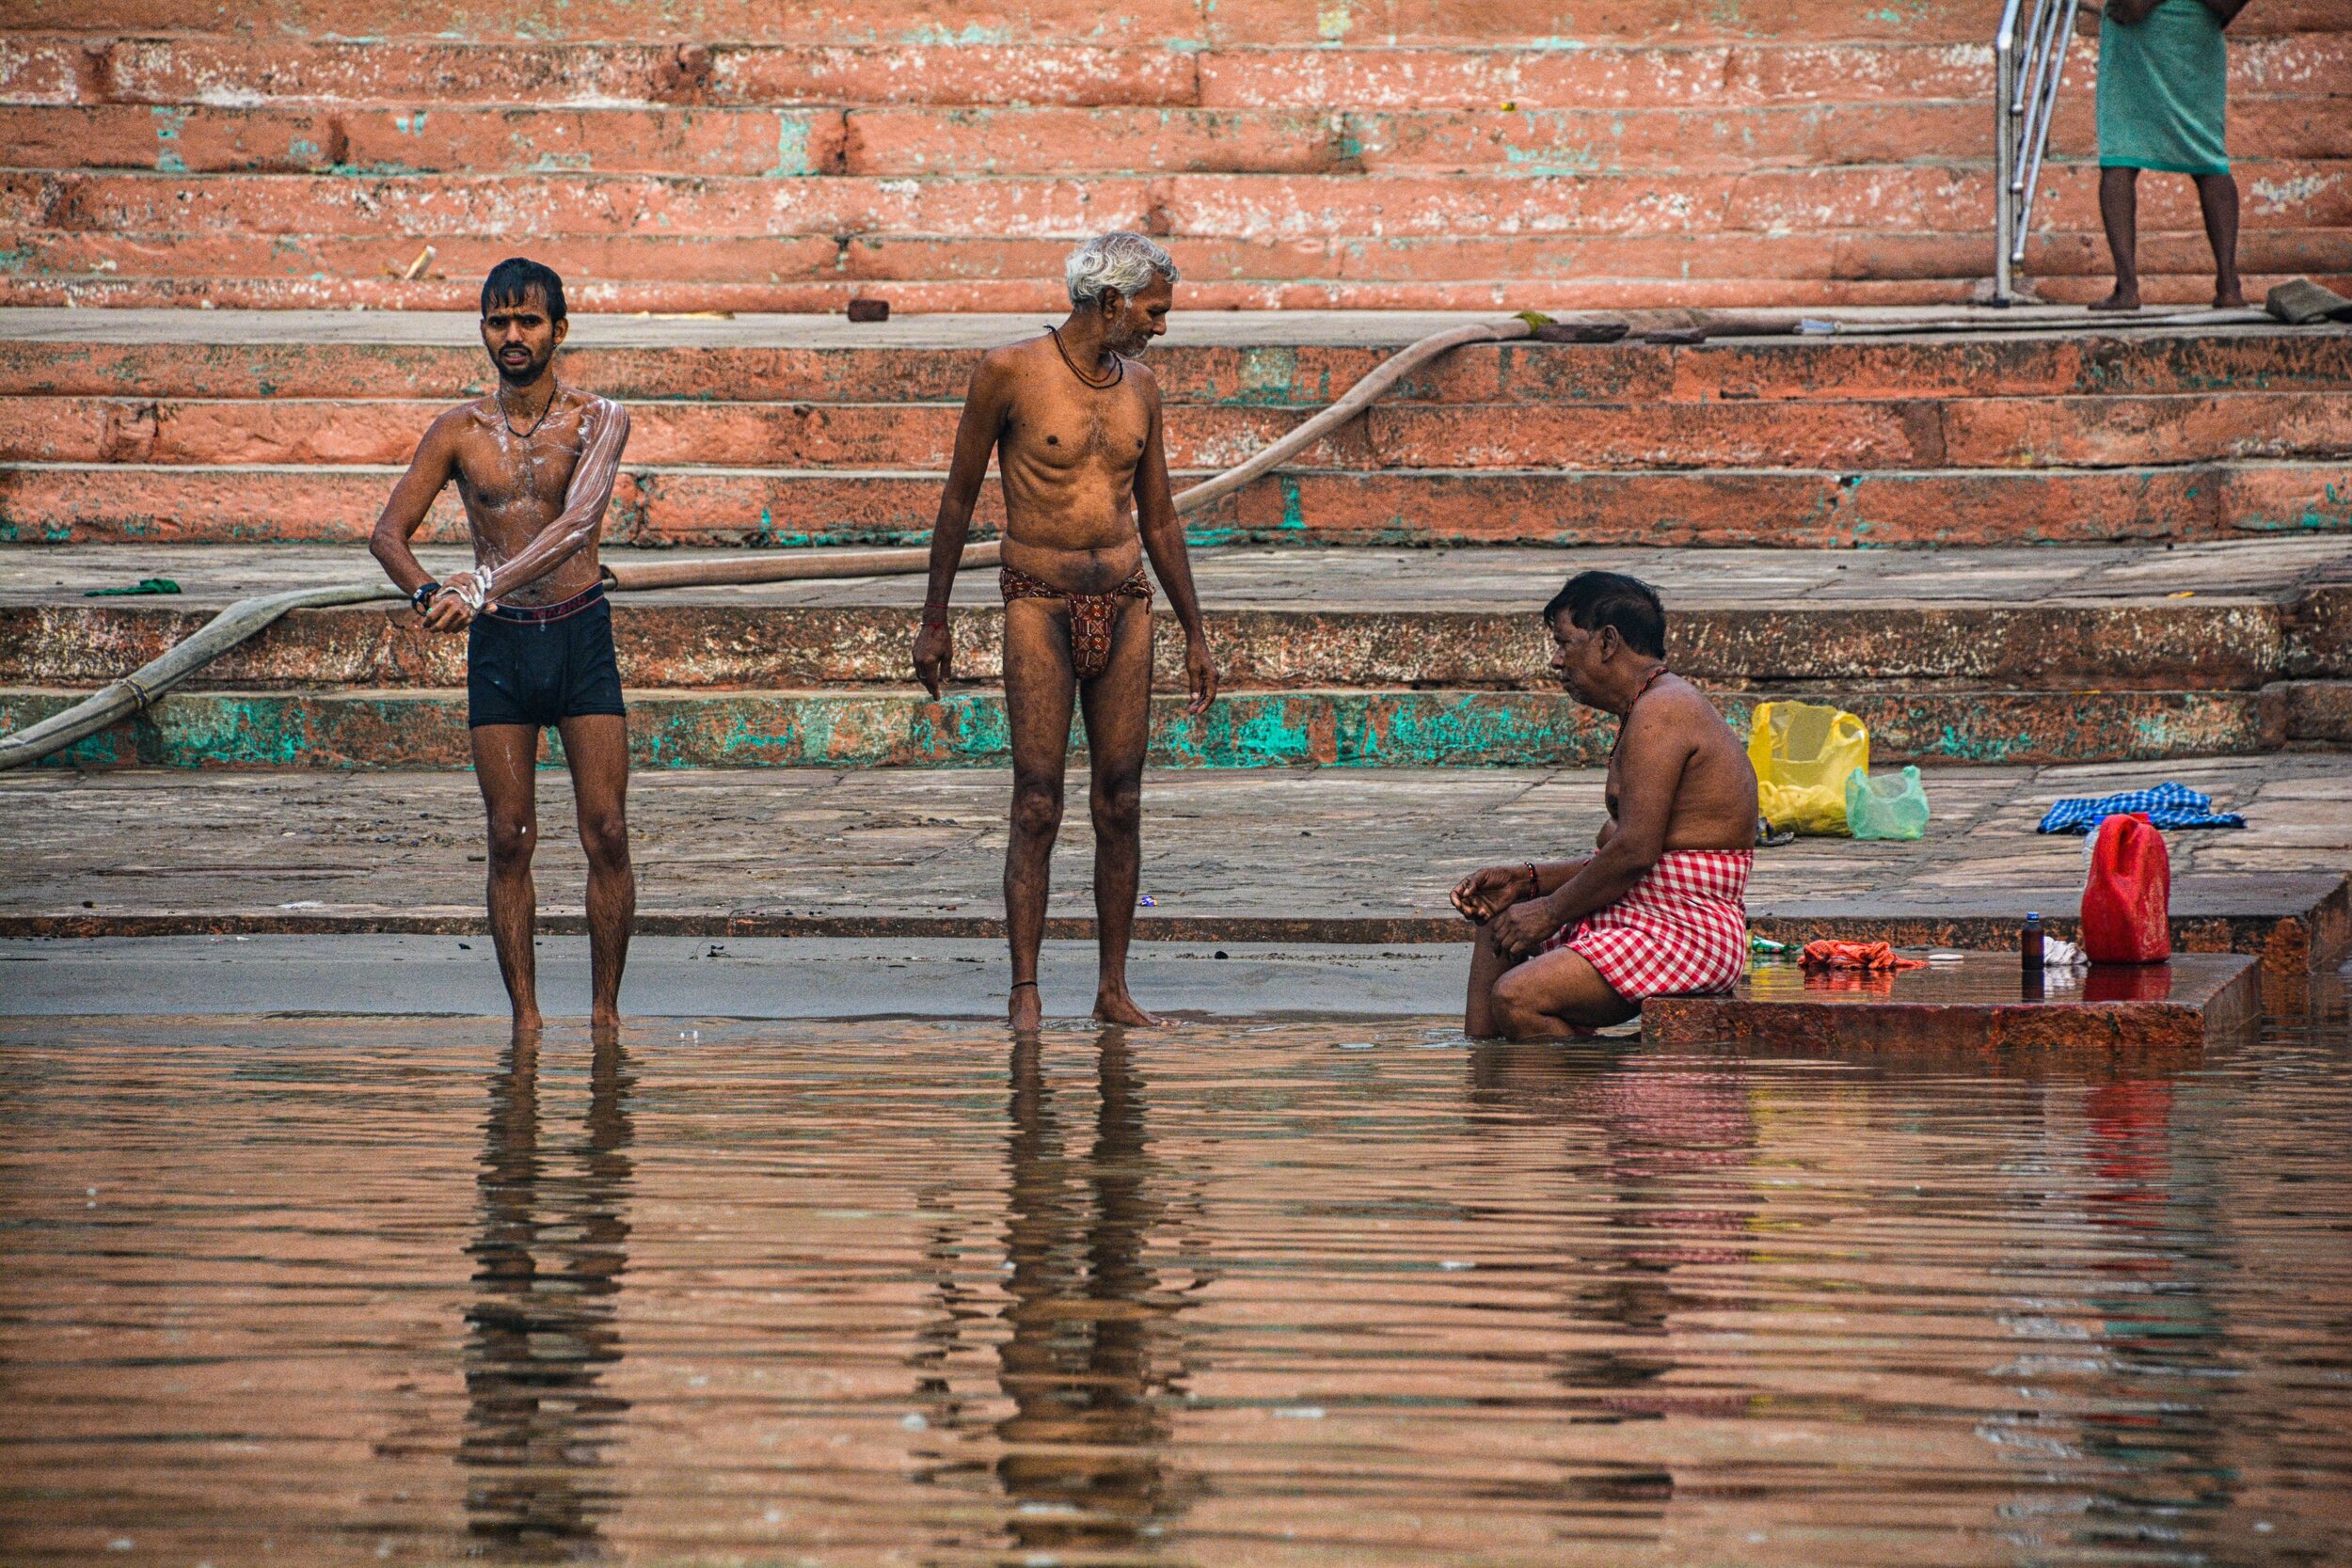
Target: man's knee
<point>1513,1002</point>
<point>604,838</point>
<point>512,837</point>
<point>1036,806</point>
<point>1118,807</point>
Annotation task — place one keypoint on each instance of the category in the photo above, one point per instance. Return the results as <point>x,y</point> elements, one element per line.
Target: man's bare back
<point>1712,791</point>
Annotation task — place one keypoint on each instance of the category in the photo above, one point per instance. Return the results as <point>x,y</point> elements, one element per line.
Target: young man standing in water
<point>1660,907</point>
<point>1074,422</point>
<point>534,462</point>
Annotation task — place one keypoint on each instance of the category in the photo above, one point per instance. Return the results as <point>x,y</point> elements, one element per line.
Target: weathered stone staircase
<point>2141,534</point>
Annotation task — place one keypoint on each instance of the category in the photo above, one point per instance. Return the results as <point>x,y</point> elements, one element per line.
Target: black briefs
<point>540,664</point>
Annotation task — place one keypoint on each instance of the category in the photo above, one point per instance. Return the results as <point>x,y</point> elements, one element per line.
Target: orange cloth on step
<point>1831,954</point>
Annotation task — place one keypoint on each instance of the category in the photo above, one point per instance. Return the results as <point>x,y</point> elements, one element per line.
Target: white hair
<point>1121,260</point>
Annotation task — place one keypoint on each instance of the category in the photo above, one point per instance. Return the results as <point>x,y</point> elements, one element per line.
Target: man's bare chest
<point>512,474</point>
<point>1104,429</point>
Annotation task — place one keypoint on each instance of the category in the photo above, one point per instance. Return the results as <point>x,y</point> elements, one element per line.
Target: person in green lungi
<point>2163,91</point>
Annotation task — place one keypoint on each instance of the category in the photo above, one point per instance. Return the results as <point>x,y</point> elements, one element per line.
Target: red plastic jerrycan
<point>2127,903</point>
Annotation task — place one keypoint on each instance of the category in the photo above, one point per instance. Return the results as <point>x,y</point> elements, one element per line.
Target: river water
<point>311,1291</point>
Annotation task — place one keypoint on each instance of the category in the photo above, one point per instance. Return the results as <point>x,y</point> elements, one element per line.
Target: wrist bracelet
<point>1534,881</point>
<point>422,600</point>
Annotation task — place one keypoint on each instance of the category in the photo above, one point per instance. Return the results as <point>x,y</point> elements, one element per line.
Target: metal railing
<point>2029,57</point>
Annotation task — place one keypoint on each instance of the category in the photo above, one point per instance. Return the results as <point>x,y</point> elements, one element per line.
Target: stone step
<point>1266,210</point>
<point>2225,616</point>
<point>1676,69</point>
<point>1229,360</point>
<point>1288,855</point>
<point>2223,645</point>
<point>1235,22</point>
<point>426,727</point>
<point>1181,23</point>
<point>145,503</point>
<point>1879,434</point>
<point>382,291</point>
<point>777,143</point>
<point>2213,617</point>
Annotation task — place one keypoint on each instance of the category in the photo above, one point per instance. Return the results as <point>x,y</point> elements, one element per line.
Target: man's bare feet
<point>528,1028</point>
<point>2122,299</point>
<point>2230,297</point>
<point>1025,1009</point>
<point>1112,1004</point>
<point>604,1020</point>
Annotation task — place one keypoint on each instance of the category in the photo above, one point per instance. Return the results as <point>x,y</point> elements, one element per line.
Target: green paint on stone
<point>169,122</point>
<point>791,148</point>
<point>1269,376</point>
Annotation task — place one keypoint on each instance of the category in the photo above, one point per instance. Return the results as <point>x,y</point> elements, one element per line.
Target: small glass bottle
<point>2030,943</point>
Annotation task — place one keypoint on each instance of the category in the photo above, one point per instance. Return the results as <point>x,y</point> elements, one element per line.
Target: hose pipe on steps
<point>135,692</point>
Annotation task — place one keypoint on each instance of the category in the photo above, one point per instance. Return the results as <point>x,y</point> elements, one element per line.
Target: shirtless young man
<point>1076,425</point>
<point>534,462</point>
<point>1660,907</point>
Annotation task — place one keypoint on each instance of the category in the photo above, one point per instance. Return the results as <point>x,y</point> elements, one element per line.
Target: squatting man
<point>1660,907</point>
<point>535,464</point>
<point>1074,422</point>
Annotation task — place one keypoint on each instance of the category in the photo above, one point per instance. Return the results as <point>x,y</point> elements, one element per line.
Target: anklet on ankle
<point>1018,983</point>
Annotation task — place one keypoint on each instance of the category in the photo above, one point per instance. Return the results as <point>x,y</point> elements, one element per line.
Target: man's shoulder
<point>1015,356</point>
<point>1678,703</point>
<point>456,424</point>
<point>1140,375</point>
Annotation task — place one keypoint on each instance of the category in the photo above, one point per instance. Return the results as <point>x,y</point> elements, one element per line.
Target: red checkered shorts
<point>1682,931</point>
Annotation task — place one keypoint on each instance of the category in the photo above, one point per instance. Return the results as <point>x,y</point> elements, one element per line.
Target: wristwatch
<point>422,600</point>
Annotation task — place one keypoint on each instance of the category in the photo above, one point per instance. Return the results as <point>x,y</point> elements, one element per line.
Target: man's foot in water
<point>1112,1004</point>
<point>1025,1009</point>
<point>2122,299</point>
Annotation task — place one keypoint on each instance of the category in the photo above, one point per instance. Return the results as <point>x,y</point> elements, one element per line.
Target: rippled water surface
<point>294,1290</point>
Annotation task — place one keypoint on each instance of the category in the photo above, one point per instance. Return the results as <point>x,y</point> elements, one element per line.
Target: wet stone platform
<point>1976,1003</point>
<point>1276,855</point>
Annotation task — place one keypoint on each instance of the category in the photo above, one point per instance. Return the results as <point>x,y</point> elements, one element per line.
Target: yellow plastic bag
<point>1802,754</point>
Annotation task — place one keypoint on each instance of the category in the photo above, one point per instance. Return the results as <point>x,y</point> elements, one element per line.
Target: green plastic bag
<point>1802,754</point>
<point>1888,806</point>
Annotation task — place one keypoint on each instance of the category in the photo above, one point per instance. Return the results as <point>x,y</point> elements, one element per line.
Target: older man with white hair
<point>1074,421</point>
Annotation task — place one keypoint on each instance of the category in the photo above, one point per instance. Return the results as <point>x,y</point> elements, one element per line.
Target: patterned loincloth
<point>1091,614</point>
<point>1683,930</point>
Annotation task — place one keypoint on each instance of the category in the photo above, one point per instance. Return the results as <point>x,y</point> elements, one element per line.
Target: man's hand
<point>934,651</point>
<point>1523,926</point>
<point>2130,13</point>
<point>453,606</point>
<point>1200,672</point>
<point>1482,895</point>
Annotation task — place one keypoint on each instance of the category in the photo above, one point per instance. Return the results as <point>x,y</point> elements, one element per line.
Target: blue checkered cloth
<point>2168,805</point>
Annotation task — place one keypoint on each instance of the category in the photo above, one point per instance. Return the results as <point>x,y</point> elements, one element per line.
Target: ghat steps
<point>731,156</point>
<point>151,427</point>
<point>1370,657</point>
<point>2139,536</point>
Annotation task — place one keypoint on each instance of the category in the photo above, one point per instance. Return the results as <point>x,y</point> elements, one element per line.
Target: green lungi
<point>2163,91</point>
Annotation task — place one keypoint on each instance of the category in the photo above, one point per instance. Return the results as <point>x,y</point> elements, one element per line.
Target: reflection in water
<point>1663,1151</point>
<point>2155,1315</point>
<point>549,1259</point>
<point>1323,1303</point>
<point>1082,1457</point>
